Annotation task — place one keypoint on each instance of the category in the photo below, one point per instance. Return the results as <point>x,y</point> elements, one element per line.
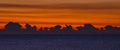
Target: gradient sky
<point>51,12</point>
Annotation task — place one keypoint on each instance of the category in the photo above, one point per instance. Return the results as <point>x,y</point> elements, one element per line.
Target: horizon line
<point>62,24</point>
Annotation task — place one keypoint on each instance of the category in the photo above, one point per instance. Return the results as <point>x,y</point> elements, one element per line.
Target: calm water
<point>59,42</point>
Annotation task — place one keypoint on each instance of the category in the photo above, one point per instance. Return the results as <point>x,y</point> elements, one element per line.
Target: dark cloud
<point>66,6</point>
<point>21,6</point>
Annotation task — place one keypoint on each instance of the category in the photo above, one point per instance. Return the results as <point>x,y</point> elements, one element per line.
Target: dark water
<point>60,42</point>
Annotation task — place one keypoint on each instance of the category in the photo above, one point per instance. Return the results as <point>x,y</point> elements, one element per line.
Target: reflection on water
<point>59,42</point>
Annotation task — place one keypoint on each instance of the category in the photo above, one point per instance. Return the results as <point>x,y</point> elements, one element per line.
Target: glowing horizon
<point>47,13</point>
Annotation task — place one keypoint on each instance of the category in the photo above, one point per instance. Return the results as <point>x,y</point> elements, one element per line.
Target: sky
<point>47,13</point>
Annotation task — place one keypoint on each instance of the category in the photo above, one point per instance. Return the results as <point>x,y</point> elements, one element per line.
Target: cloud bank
<point>65,6</point>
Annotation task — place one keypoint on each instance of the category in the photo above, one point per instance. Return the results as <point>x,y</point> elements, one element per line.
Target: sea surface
<point>47,42</point>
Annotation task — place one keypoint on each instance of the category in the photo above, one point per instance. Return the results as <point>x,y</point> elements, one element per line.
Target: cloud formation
<point>65,6</point>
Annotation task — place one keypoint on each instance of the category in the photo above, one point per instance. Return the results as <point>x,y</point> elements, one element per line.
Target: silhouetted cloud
<point>66,6</point>
<point>16,28</point>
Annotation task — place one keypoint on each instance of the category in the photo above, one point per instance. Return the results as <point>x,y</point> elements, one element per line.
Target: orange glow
<point>50,15</point>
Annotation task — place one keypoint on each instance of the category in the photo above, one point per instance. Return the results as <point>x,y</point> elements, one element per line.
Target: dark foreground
<point>62,42</point>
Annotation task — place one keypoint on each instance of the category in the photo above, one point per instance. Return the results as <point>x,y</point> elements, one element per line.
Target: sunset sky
<point>46,13</point>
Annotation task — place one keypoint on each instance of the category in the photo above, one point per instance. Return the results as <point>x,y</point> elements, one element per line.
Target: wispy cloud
<point>66,6</point>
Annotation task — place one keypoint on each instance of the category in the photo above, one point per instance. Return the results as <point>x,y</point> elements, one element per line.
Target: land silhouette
<point>87,29</point>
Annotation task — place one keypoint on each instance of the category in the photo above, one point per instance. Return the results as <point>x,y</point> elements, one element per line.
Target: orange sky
<point>74,12</point>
